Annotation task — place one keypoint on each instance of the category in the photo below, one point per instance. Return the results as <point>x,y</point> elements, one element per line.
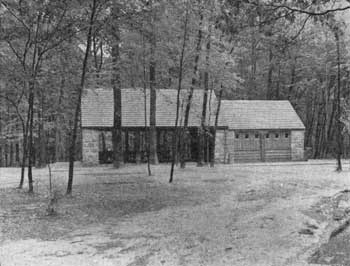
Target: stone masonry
<point>220,143</point>
<point>297,145</point>
<point>230,138</point>
<point>90,147</point>
<point>224,146</point>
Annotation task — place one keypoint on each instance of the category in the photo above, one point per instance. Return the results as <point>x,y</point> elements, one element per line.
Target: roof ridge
<point>140,88</point>
<point>256,100</point>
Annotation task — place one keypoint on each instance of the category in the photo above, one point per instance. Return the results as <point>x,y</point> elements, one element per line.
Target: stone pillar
<point>297,145</point>
<point>90,147</point>
<point>230,144</point>
<point>220,148</point>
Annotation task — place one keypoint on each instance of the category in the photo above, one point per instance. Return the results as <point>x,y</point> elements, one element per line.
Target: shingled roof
<point>97,110</point>
<point>97,107</point>
<point>251,114</point>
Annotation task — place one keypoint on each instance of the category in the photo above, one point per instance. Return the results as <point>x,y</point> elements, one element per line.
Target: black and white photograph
<point>174,132</point>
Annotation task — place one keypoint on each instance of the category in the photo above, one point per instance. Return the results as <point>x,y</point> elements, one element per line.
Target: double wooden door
<point>260,146</point>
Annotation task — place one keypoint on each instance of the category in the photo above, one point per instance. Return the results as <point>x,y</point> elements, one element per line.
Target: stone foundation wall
<point>90,146</point>
<point>297,145</point>
<point>224,145</point>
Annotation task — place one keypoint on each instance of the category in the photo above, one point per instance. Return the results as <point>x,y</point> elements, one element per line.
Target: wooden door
<point>247,147</point>
<point>277,145</point>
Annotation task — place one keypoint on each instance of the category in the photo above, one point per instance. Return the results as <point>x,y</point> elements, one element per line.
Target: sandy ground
<point>248,214</point>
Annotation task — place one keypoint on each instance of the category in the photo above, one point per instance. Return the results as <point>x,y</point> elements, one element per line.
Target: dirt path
<point>231,215</point>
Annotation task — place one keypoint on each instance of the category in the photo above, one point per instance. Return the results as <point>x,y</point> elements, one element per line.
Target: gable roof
<point>97,107</point>
<point>252,114</point>
<point>97,110</point>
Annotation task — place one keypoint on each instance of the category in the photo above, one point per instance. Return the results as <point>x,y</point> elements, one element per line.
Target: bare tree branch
<point>6,5</point>
<point>301,28</point>
<point>16,53</point>
<point>308,12</point>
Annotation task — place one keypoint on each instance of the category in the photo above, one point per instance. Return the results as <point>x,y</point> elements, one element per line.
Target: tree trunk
<point>269,77</point>
<point>253,59</point>
<point>323,138</point>
<point>42,138</point>
<point>292,78</point>
<point>147,133</point>
<point>24,153</point>
<point>190,94</point>
<point>338,115</point>
<point>209,135</point>
<point>318,132</point>
<point>331,117</point>
<point>58,133</point>
<point>30,140</point>
<point>212,157</point>
<point>330,131</point>
<point>153,130</point>
<point>78,105</point>
<point>175,137</point>
<point>24,149</point>
<point>117,93</point>
<point>277,92</point>
<point>311,118</point>
<point>32,83</point>
<point>203,129</point>
<point>153,103</point>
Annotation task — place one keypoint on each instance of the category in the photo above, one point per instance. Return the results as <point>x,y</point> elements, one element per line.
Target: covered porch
<point>99,148</point>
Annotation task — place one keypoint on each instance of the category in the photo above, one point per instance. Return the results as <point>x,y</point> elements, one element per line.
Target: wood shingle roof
<point>97,107</point>
<point>252,114</point>
<point>97,110</point>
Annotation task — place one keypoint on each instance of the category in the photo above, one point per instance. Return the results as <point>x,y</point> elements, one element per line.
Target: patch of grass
<point>25,216</point>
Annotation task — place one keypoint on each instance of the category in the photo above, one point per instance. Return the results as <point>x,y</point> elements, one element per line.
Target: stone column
<point>220,146</point>
<point>230,144</point>
<point>90,147</point>
<point>297,145</point>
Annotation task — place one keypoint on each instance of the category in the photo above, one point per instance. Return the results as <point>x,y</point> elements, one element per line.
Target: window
<point>237,136</point>
<point>247,136</point>
<point>276,135</point>
<point>286,135</point>
<point>256,135</point>
<point>267,135</point>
